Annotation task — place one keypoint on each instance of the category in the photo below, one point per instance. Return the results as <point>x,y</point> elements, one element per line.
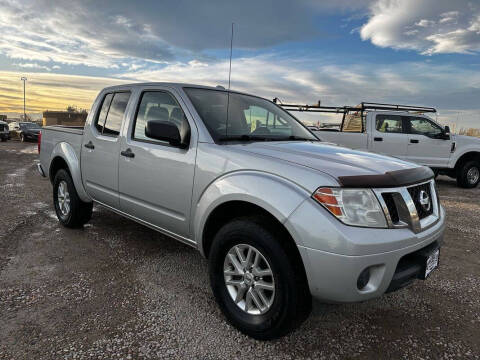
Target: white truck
<point>404,132</point>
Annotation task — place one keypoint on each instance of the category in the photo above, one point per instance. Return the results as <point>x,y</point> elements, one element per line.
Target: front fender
<point>274,194</point>
<point>462,151</point>
<point>68,154</point>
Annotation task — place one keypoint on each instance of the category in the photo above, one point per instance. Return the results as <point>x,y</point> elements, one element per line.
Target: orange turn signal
<point>326,197</point>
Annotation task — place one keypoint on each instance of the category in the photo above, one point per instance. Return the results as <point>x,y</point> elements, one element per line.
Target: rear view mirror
<point>164,131</point>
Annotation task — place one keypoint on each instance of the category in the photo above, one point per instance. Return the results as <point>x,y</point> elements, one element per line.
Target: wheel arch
<point>467,156</point>
<point>231,210</point>
<point>64,157</point>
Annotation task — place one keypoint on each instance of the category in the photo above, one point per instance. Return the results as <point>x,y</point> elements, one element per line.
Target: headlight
<point>357,207</point>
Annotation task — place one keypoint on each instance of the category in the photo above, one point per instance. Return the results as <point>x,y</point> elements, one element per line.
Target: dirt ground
<point>118,290</point>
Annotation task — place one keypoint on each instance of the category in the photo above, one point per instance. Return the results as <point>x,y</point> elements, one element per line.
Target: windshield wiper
<point>243,138</point>
<point>298,138</point>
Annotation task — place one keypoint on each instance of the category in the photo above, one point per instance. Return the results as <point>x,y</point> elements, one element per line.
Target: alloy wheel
<point>63,197</point>
<point>473,175</point>
<point>249,279</point>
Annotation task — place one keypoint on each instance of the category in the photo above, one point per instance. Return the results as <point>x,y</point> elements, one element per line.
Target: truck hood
<point>342,163</point>
<point>465,140</point>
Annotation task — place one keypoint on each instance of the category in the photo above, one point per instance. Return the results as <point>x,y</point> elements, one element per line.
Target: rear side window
<point>110,118</point>
<point>389,123</point>
<point>103,112</point>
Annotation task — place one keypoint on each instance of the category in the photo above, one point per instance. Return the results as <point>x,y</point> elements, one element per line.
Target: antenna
<point>231,50</point>
<point>229,76</point>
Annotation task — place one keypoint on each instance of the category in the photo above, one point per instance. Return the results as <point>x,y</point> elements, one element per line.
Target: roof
<point>175,85</point>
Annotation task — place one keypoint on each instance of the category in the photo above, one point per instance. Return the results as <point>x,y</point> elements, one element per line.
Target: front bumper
<point>334,255</point>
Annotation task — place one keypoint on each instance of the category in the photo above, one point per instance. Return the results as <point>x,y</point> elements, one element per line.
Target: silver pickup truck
<point>280,216</point>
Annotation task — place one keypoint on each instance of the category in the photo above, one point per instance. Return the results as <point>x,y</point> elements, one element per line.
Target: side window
<point>422,126</point>
<point>113,123</point>
<point>158,105</point>
<point>102,115</point>
<point>389,123</point>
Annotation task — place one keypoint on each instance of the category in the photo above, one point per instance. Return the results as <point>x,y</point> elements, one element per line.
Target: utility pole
<point>24,112</point>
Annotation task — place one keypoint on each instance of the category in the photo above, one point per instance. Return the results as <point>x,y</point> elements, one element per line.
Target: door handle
<point>128,153</point>
<point>414,141</point>
<point>378,139</point>
<point>89,145</point>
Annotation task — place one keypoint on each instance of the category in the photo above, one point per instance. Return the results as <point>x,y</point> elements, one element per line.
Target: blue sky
<point>343,52</point>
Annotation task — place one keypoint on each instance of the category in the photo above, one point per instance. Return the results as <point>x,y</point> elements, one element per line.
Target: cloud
<point>32,66</point>
<point>447,87</point>
<point>427,26</point>
<point>47,91</point>
<point>107,33</point>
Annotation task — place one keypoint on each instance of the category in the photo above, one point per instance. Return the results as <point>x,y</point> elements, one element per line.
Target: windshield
<point>249,118</point>
<point>29,126</point>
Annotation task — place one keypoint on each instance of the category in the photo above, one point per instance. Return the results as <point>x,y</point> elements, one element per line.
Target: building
<point>66,118</point>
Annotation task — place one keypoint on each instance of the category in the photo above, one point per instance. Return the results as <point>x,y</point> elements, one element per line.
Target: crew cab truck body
<point>280,216</point>
<point>409,134</point>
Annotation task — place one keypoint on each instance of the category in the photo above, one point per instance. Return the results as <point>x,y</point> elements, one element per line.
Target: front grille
<point>403,206</point>
<point>392,208</point>
<point>415,191</point>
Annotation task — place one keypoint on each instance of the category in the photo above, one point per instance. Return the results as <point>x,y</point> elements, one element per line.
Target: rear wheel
<point>71,211</point>
<point>255,280</point>
<point>468,175</point>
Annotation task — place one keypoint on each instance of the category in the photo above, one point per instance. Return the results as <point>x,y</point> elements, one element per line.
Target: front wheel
<point>22,138</point>
<point>468,175</point>
<point>255,280</point>
<point>71,211</point>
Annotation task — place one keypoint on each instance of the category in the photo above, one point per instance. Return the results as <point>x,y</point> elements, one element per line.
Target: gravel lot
<point>118,290</point>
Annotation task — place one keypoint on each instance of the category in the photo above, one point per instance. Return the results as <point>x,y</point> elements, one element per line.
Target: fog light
<point>363,279</point>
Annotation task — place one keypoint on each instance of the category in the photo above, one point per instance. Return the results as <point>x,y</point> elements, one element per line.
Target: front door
<point>101,149</point>
<point>426,143</point>
<point>156,178</point>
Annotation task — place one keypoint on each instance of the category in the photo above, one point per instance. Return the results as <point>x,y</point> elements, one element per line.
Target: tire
<point>291,302</point>
<point>22,138</point>
<point>78,212</point>
<point>4,139</point>
<point>468,174</point>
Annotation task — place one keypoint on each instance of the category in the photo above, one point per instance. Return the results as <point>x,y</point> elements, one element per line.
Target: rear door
<point>101,149</point>
<point>426,144</point>
<point>156,178</point>
<point>389,136</point>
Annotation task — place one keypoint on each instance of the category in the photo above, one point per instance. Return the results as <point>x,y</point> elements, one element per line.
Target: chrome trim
<point>407,212</point>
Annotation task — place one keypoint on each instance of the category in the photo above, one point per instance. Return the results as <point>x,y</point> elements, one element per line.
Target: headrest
<point>176,114</point>
<point>157,113</point>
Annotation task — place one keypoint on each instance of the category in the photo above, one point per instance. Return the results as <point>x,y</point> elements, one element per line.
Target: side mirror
<point>164,131</point>
<point>446,132</point>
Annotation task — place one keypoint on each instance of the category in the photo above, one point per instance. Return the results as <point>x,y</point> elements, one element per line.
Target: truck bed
<point>58,135</point>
